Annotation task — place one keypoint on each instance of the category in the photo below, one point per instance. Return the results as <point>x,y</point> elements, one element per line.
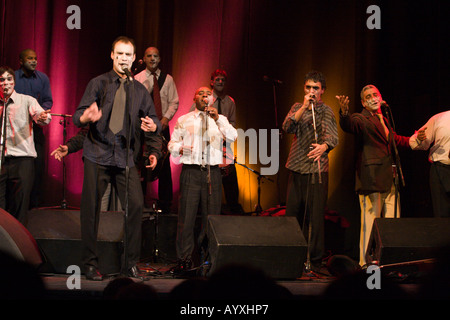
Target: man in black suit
<point>375,160</point>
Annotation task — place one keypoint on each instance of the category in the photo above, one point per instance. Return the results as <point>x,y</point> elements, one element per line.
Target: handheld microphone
<point>206,101</point>
<point>128,73</point>
<point>209,100</point>
<point>384,104</point>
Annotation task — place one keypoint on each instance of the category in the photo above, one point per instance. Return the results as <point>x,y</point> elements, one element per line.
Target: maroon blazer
<point>375,155</point>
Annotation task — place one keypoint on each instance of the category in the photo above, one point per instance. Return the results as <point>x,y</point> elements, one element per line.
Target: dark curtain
<point>407,59</point>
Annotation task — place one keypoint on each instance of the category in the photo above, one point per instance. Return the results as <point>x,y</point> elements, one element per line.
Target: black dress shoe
<point>134,272</point>
<point>92,273</point>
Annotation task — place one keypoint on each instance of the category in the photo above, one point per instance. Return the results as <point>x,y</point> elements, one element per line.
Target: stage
<point>269,254</point>
<point>307,287</point>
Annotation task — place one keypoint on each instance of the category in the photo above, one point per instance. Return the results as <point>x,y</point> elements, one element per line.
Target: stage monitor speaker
<point>58,234</point>
<point>17,241</point>
<point>275,245</point>
<point>394,241</point>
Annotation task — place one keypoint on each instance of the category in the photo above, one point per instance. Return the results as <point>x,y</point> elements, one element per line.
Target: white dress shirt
<point>228,109</point>
<point>187,135</point>
<point>169,93</point>
<point>437,132</point>
<point>21,111</point>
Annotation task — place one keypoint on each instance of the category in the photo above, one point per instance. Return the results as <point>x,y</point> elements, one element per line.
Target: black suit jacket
<point>375,155</point>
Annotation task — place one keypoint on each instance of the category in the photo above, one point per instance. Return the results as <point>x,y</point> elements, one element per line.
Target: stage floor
<point>307,287</point>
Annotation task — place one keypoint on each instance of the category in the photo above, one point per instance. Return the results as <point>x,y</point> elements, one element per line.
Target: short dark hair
<point>123,39</point>
<point>219,72</point>
<point>316,76</point>
<point>4,69</point>
<point>23,53</point>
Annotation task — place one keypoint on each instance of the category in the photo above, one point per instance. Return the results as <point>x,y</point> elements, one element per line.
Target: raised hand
<point>343,103</point>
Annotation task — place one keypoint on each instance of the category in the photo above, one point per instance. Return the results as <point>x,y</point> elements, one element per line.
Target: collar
<point>317,106</point>
<point>23,75</point>
<point>114,76</point>
<point>12,97</point>
<point>149,73</point>
<point>367,113</point>
<point>197,112</point>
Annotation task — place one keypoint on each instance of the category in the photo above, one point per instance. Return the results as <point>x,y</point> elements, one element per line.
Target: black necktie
<point>219,109</point>
<point>118,110</point>
<point>157,96</point>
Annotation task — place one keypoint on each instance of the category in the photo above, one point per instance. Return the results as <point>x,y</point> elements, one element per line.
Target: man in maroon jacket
<point>375,160</point>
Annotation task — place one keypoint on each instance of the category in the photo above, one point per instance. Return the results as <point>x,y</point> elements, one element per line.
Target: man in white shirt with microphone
<point>198,140</point>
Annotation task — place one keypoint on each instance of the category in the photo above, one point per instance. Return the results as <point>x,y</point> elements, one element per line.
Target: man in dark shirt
<point>113,106</point>
<point>35,83</point>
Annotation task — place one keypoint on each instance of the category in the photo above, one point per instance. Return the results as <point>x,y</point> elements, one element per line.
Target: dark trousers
<point>304,191</point>
<point>16,183</point>
<point>96,179</point>
<point>440,189</point>
<point>165,185</point>
<point>194,192</point>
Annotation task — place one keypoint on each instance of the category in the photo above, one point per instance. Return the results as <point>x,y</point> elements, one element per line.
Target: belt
<point>200,167</point>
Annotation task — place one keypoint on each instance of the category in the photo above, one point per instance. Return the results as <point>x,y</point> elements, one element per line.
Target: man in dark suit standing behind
<point>375,163</point>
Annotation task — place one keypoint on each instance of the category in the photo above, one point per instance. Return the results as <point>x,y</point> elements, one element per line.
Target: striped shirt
<point>326,128</point>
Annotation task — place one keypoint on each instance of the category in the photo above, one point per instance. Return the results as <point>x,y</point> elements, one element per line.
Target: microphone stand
<point>127,177</point>
<point>208,167</point>
<point>63,122</point>
<point>3,135</point>
<point>397,168</point>
<point>258,208</point>
<point>315,137</point>
<point>280,131</point>
<point>308,258</point>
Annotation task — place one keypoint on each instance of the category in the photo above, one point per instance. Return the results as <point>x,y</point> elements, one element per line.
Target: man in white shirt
<point>198,140</point>
<point>18,153</point>
<point>436,132</point>
<point>226,106</point>
<point>166,105</point>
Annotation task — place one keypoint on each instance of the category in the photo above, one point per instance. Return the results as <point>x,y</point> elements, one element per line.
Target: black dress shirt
<point>101,146</point>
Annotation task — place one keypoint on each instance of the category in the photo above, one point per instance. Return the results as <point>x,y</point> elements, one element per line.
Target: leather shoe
<point>134,272</point>
<point>92,273</point>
